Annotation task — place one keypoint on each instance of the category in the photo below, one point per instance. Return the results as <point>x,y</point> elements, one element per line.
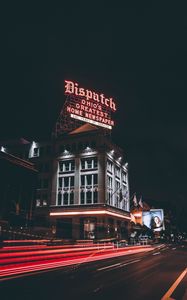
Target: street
<point>159,273</point>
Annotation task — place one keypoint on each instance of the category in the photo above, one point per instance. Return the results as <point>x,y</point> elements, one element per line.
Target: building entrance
<point>88,228</point>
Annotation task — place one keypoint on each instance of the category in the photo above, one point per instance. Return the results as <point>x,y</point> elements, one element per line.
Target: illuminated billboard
<point>88,106</point>
<point>153,219</point>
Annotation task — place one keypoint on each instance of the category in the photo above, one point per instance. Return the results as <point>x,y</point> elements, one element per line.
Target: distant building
<point>17,187</point>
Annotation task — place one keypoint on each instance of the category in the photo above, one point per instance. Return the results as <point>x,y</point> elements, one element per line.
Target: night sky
<point>135,54</point>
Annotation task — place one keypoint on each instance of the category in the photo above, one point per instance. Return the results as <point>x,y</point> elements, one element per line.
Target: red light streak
<point>40,265</point>
<point>46,254</point>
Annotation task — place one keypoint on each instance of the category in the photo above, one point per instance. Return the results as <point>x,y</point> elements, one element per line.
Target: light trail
<point>21,256</point>
<point>8,272</point>
<point>47,247</point>
<point>51,251</point>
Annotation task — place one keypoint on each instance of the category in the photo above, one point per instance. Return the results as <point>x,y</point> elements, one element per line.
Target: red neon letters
<point>73,88</point>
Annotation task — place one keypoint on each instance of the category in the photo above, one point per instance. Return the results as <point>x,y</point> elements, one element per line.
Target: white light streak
<point>90,212</point>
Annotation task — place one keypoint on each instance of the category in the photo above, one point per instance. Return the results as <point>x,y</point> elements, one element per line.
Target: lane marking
<point>111,266</point>
<point>174,248</point>
<point>119,264</point>
<point>174,285</point>
<point>130,262</point>
<point>156,253</point>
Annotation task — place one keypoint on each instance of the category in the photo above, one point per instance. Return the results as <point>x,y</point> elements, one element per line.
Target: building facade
<point>83,188</point>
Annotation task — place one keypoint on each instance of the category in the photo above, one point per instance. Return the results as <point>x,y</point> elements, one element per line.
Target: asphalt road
<point>148,275</point>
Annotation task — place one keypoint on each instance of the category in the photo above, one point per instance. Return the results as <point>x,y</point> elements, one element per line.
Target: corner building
<point>87,190</point>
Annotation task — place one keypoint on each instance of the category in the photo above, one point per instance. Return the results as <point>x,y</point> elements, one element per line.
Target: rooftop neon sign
<point>89,106</point>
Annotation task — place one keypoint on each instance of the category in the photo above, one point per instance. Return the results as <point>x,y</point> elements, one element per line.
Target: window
<point>117,172</point>
<point>124,197</point>
<point>66,181</point>
<point>89,185</point>
<point>116,183</point>
<point>67,166</point>
<point>117,193</point>
<point>82,180</point>
<point>83,164</point>
<point>109,166</point>
<point>60,182</point>
<point>109,182</point>
<point>72,181</point>
<point>66,190</point>
<point>65,196</point>
<point>89,179</point>
<point>36,152</point>
<point>110,189</point>
<point>89,163</point>
<point>95,179</point>
<point>124,176</point>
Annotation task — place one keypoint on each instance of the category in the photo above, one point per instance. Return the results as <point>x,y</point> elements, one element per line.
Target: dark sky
<point>137,54</point>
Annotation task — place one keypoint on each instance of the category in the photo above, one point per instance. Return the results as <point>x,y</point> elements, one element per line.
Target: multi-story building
<point>83,188</point>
